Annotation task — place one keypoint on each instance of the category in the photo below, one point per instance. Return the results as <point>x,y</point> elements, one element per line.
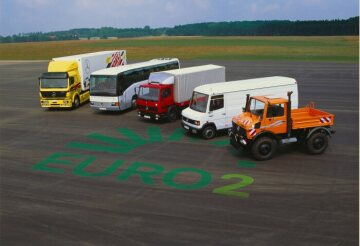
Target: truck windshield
<point>103,85</point>
<point>54,83</point>
<point>150,94</point>
<point>199,102</point>
<point>257,107</point>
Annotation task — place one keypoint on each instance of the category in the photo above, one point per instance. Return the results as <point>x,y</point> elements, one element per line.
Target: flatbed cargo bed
<point>309,117</point>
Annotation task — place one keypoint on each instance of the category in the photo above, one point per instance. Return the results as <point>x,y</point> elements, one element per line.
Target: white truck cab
<point>212,106</point>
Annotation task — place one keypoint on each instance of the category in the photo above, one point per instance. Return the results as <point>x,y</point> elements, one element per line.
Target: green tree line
<point>270,28</point>
<point>235,28</point>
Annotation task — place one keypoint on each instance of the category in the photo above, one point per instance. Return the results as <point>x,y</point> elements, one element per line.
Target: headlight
<point>197,122</point>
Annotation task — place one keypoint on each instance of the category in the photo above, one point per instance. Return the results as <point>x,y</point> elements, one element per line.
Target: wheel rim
<point>77,102</point>
<point>318,143</point>
<point>209,133</point>
<point>265,149</point>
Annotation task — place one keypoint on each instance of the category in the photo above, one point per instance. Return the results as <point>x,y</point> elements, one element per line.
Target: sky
<point>24,16</point>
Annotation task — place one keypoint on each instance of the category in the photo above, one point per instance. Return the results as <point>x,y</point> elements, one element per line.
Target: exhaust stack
<point>288,115</point>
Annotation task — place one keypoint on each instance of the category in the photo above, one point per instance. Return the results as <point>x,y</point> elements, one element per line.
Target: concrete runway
<point>85,178</point>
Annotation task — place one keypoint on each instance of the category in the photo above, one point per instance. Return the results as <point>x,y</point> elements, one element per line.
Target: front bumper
<point>55,103</point>
<point>190,128</point>
<point>151,115</point>
<point>104,106</point>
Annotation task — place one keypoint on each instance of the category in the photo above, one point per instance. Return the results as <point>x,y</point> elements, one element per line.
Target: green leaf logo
<point>133,140</point>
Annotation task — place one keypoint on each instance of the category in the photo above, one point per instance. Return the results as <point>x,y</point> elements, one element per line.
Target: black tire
<point>76,102</point>
<point>317,143</point>
<point>208,132</point>
<point>234,143</point>
<point>263,148</point>
<point>172,114</point>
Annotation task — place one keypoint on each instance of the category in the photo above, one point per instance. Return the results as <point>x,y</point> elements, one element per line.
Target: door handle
<point>211,115</point>
<point>223,113</point>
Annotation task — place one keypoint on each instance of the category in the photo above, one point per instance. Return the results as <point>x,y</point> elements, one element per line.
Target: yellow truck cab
<point>66,84</point>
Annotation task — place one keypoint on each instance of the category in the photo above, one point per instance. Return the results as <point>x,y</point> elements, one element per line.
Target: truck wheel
<point>76,102</point>
<point>209,132</point>
<point>264,148</point>
<point>172,114</point>
<point>317,143</point>
<point>234,143</point>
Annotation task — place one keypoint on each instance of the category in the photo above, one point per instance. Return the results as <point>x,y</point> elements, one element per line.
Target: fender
<point>209,124</point>
<point>328,131</point>
<point>265,133</point>
<point>74,95</point>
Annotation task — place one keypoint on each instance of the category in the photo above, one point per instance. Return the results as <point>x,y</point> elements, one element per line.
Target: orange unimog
<point>268,122</point>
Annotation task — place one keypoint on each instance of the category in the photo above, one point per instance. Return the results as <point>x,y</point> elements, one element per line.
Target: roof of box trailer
<point>120,69</point>
<point>84,55</point>
<point>191,69</point>
<point>243,85</point>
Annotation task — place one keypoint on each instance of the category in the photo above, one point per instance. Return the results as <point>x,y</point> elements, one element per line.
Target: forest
<point>234,28</point>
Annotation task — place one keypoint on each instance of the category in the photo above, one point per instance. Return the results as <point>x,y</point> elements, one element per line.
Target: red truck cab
<point>156,101</point>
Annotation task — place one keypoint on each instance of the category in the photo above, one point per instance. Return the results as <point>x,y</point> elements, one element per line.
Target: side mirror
<point>72,80</point>
<point>135,91</point>
<point>243,109</point>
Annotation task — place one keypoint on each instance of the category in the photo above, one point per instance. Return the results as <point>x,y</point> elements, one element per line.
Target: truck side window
<point>217,102</point>
<point>165,93</point>
<point>276,110</point>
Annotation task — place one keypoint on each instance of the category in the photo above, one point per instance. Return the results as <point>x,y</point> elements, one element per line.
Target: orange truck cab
<point>268,122</point>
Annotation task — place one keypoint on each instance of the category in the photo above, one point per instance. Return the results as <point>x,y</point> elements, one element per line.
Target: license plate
<point>147,116</point>
<point>102,108</point>
<point>186,127</point>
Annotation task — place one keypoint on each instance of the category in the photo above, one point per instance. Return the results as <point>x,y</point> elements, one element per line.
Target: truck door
<point>217,113</point>
<point>275,118</point>
<point>166,99</point>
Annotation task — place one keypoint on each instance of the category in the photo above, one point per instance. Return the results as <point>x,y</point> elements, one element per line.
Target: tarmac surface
<point>77,177</point>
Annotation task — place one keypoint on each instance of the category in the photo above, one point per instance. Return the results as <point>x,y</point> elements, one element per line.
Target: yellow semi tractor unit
<point>67,82</point>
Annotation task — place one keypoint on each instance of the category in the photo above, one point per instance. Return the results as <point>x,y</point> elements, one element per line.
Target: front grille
<point>53,94</point>
<point>147,108</point>
<point>188,120</point>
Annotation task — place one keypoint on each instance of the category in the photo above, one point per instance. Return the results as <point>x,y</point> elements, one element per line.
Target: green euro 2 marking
<point>80,169</point>
<point>57,159</point>
<point>137,168</point>
<point>148,173</point>
<point>232,189</point>
<point>246,164</point>
<point>204,180</point>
